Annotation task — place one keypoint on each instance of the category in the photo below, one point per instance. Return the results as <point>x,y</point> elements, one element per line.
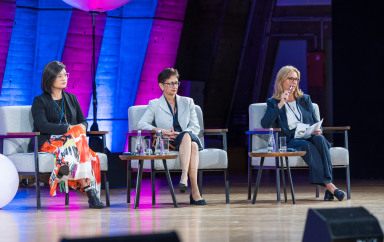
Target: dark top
<point>46,115</point>
<point>176,124</point>
<point>277,118</point>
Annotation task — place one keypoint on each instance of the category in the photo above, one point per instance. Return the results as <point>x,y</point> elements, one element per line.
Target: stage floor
<point>266,220</point>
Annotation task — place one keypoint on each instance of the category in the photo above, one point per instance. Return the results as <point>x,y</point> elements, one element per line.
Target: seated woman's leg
<point>313,160</point>
<point>193,168</point>
<point>185,157</point>
<point>322,145</point>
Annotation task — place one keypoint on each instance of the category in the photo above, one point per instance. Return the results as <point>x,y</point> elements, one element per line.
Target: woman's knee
<point>194,147</point>
<point>318,139</point>
<point>186,138</point>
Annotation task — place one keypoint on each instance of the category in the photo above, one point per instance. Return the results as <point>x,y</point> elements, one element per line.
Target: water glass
<point>283,144</point>
<point>147,147</point>
<point>165,145</point>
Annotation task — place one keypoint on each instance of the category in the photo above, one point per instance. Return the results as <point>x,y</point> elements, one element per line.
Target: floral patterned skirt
<point>71,149</point>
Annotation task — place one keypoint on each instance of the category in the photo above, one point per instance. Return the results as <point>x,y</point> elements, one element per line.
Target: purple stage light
<point>162,47</point>
<point>7,16</point>
<point>77,55</point>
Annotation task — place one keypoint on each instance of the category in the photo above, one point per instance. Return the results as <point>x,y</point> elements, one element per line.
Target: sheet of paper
<point>309,131</point>
<point>305,131</point>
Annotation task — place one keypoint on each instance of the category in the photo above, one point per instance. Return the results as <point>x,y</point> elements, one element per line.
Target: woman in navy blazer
<point>176,117</point>
<point>288,107</point>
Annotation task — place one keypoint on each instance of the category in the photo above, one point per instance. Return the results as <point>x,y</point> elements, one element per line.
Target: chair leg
<point>290,181</point>
<point>226,186</point>
<point>278,198</point>
<point>129,174</point>
<point>38,199</point>
<point>106,184</point>
<point>249,178</point>
<point>283,178</point>
<point>348,182</point>
<point>66,194</point>
<point>317,191</point>
<point>200,182</point>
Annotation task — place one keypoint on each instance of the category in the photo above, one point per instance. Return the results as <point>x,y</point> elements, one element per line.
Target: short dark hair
<point>166,74</point>
<point>51,70</point>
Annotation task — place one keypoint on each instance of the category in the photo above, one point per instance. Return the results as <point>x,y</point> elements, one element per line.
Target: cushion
<point>210,158</point>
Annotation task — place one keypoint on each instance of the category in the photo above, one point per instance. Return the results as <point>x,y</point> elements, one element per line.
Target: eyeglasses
<point>172,84</point>
<point>293,79</point>
<point>63,75</point>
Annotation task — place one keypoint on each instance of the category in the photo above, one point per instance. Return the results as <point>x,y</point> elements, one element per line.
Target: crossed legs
<point>189,162</point>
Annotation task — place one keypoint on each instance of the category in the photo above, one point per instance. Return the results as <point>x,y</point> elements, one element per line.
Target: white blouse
<point>294,115</point>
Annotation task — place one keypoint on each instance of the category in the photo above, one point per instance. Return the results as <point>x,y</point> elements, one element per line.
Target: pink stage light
<point>96,5</point>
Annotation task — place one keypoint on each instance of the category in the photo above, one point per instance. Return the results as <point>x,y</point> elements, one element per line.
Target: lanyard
<point>294,113</point>
<point>61,111</point>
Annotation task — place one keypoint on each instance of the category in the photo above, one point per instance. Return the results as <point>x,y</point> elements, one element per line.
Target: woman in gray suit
<point>176,117</point>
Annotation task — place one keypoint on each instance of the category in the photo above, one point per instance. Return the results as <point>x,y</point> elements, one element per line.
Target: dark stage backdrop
<point>358,64</point>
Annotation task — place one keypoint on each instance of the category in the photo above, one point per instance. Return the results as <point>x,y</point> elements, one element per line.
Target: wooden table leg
<point>258,178</point>
<point>278,199</point>
<point>153,182</point>
<point>290,181</point>
<point>129,177</point>
<point>283,177</point>
<point>138,182</point>
<point>170,183</point>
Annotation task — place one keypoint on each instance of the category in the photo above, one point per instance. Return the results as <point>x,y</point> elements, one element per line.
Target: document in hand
<point>304,131</point>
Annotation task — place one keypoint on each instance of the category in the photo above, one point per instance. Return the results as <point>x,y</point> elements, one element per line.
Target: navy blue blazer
<point>277,118</point>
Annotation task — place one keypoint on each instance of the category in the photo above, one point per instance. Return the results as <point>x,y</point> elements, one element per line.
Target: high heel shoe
<point>182,187</point>
<point>339,194</point>
<point>200,202</point>
<point>328,196</point>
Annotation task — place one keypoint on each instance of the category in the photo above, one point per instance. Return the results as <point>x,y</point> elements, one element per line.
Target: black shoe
<point>200,202</point>
<point>328,196</point>
<point>182,187</point>
<point>93,200</point>
<point>339,194</point>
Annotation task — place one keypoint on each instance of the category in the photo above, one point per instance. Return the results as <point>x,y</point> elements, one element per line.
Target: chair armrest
<point>261,131</point>
<point>336,129</point>
<point>215,131</point>
<point>14,135</point>
<point>339,129</point>
<point>218,132</point>
<point>143,133</point>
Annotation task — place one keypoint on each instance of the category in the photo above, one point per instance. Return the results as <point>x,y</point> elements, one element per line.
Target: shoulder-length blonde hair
<point>281,77</point>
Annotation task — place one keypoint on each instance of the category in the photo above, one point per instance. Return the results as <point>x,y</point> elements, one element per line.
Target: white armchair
<point>16,130</point>
<point>211,159</point>
<point>256,142</point>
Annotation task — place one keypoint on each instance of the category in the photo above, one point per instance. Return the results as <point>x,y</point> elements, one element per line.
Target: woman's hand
<point>283,99</point>
<point>317,132</point>
<point>170,134</point>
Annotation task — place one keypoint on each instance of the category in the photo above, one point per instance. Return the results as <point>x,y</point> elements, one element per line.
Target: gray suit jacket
<point>158,115</point>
